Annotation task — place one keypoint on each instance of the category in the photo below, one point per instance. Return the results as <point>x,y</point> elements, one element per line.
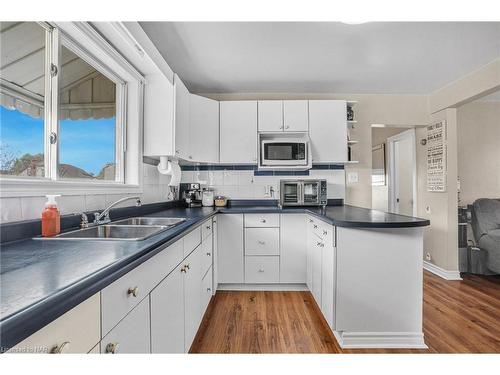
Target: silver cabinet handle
<point>263,220</point>
<point>287,127</point>
<point>262,242</point>
<point>59,349</point>
<point>188,266</point>
<point>190,157</point>
<point>112,348</point>
<point>315,226</point>
<point>209,289</point>
<point>134,291</point>
<point>311,220</point>
<point>208,227</point>
<point>325,232</point>
<point>209,254</point>
<point>183,269</point>
<point>261,269</point>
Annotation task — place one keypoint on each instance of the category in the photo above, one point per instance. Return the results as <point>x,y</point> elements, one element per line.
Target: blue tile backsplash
<point>239,167</point>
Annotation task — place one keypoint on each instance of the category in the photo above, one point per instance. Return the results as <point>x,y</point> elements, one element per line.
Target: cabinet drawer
<point>262,220</point>
<point>206,290</point>
<point>191,241</point>
<point>78,329</point>
<point>131,335</point>
<point>262,241</point>
<point>206,254</point>
<point>262,269</point>
<point>125,293</point>
<point>206,229</point>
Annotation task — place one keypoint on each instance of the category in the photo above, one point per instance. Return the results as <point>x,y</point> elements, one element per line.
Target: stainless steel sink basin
<point>163,221</point>
<point>112,232</point>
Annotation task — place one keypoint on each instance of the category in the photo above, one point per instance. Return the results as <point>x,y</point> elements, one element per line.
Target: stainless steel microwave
<point>284,152</point>
<point>303,193</point>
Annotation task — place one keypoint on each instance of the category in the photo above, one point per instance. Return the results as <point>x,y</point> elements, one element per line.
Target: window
<point>62,110</point>
<point>22,105</point>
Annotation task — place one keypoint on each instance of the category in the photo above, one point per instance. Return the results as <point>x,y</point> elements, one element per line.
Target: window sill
<point>32,187</point>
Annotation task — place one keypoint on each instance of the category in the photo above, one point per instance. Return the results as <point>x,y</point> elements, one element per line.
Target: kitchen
<point>204,198</point>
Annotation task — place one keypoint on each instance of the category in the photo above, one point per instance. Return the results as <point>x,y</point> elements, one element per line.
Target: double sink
<point>132,229</point>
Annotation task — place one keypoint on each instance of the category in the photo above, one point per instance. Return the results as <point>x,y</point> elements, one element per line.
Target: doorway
<point>402,173</point>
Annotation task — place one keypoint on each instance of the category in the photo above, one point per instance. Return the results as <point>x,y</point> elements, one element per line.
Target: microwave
<point>303,193</point>
<point>284,152</point>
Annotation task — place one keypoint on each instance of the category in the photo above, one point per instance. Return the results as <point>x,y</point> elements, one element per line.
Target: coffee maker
<point>191,193</point>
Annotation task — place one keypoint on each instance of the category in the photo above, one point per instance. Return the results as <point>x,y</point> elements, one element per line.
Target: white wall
<point>27,208</point>
<point>479,150</point>
<point>244,185</point>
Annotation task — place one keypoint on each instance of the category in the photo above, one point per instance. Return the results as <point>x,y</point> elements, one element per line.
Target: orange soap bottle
<point>51,219</point>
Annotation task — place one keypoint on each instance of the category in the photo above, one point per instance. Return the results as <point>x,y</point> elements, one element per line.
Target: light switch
<point>352,177</point>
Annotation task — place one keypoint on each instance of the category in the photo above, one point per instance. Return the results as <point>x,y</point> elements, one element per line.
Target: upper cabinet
<point>296,115</point>
<point>270,115</point>
<point>328,131</point>
<point>158,116</point>
<point>238,132</point>
<point>203,129</point>
<point>181,119</point>
<point>283,115</point>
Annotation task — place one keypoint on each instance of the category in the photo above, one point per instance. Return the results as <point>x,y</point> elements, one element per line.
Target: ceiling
<point>375,57</point>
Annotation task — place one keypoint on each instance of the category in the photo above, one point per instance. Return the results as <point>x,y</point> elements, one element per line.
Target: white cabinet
<point>262,241</point>
<point>192,298</point>
<point>181,119</point>
<point>206,254</point>
<point>206,291</point>
<point>167,314</point>
<point>328,130</point>
<point>328,276</point>
<point>262,269</point>
<point>230,248</point>
<point>293,255</point>
<point>215,267</point>
<point>316,270</point>
<point>283,115</point>
<point>262,221</point>
<point>132,334</point>
<point>238,132</point>
<point>270,115</point>
<point>203,129</point>
<point>295,115</point>
<point>76,331</point>
<point>158,116</point>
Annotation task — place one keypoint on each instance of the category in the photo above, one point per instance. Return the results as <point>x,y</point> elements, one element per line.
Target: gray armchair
<point>486,227</point>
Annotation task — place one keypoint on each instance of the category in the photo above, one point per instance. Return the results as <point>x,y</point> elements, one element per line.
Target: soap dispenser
<point>51,219</point>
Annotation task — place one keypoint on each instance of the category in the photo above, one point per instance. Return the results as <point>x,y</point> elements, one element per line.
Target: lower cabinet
<point>293,254</point>
<point>192,301</point>
<point>316,259</point>
<point>132,334</point>
<point>206,290</point>
<point>167,314</point>
<point>230,248</point>
<point>328,277</point>
<point>262,269</point>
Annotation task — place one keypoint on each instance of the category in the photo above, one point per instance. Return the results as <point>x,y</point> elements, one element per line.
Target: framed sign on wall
<point>436,157</point>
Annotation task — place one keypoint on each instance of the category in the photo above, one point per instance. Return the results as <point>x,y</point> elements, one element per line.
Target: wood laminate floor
<point>459,317</point>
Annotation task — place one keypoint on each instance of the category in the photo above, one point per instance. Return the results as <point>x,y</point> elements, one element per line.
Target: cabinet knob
<point>188,266</point>
<point>177,151</point>
<point>208,227</point>
<point>261,269</point>
<point>311,220</point>
<point>281,127</point>
<point>287,127</point>
<point>263,220</point>
<point>190,157</point>
<point>262,242</point>
<point>112,348</point>
<point>209,289</point>
<point>325,232</point>
<point>209,254</point>
<point>60,349</point>
<point>315,226</point>
<point>134,291</point>
<point>183,269</point>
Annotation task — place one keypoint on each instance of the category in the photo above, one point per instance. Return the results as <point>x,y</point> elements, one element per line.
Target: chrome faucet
<point>103,217</point>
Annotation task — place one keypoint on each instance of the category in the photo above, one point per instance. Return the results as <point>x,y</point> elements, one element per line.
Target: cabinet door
<point>296,115</point>
<point>181,119</point>
<point>238,132</point>
<point>328,130</point>
<point>328,283</point>
<point>204,129</point>
<point>131,335</point>
<point>215,267</point>
<point>270,115</point>
<point>310,247</point>
<point>192,297</point>
<point>293,255</point>
<point>158,116</point>
<point>230,248</point>
<point>316,270</point>
<point>167,314</point>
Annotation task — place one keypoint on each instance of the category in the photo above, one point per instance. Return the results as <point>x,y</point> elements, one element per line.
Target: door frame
<point>407,134</point>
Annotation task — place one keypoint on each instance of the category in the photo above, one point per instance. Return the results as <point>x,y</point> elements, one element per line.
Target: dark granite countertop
<point>42,279</point>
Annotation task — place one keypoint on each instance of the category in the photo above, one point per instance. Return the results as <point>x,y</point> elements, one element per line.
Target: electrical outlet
<point>428,209</point>
<point>352,177</point>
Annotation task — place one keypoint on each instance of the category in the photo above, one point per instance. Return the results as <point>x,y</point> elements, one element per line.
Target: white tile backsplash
<point>155,189</point>
<point>230,178</point>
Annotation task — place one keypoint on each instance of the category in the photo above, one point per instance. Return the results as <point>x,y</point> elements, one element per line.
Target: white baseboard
<point>265,287</point>
<point>380,340</point>
<point>441,272</point>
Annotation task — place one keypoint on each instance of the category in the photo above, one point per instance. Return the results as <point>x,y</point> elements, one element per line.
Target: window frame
<point>80,37</point>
